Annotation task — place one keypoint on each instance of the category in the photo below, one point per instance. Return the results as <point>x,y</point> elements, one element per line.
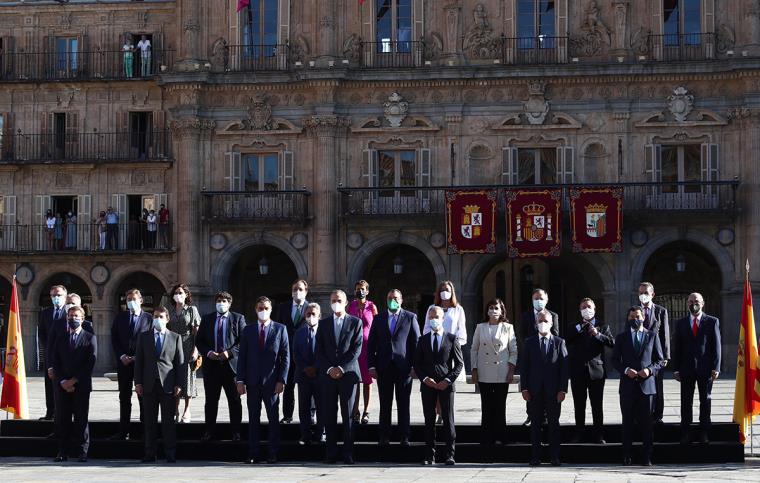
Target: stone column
<point>29,314</point>
<point>103,312</point>
<point>189,37</point>
<point>451,44</point>
<point>326,50</point>
<point>620,27</point>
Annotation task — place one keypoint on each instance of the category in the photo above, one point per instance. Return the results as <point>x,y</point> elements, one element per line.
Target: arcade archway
<point>150,287</point>
<point>73,284</point>
<point>260,270</point>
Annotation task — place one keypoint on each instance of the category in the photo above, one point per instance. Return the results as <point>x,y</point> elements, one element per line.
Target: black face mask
<point>74,324</point>
<point>360,294</point>
<point>635,323</point>
<point>695,309</point>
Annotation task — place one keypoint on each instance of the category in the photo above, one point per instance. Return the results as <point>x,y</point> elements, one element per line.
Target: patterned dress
<point>367,316</point>
<point>183,324</point>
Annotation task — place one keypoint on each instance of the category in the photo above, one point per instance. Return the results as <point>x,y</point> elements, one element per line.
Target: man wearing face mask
<point>74,300</point>
<point>73,359</point>
<point>587,371</point>
<point>696,361</point>
<point>390,356</point>
<point>262,370</point>
<point>126,328</point>
<point>656,320</point>
<point>339,343</point>
<point>291,315</point>
<point>158,380</point>
<point>543,380</point>
<point>438,362</point>
<point>51,320</point>
<point>638,358</point>
<point>529,327</point>
<point>218,340</point>
<point>305,356</point>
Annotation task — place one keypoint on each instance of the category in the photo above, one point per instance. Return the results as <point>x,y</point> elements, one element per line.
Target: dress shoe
<point>535,463</point>
<point>171,459</point>
<point>59,458</point>
<point>46,417</point>
<point>271,460</point>
<point>427,462</point>
<point>330,460</point>
<point>703,439</point>
<point>627,461</point>
<point>119,437</point>
<point>149,459</point>
<point>286,420</point>
<point>576,438</point>
<point>527,421</point>
<point>658,422</point>
<point>384,442</point>
<point>250,461</point>
<point>405,443</point>
<point>50,436</point>
<point>348,460</point>
<point>304,441</point>
<point>647,462</point>
<point>82,458</point>
<point>235,436</point>
<point>599,440</point>
<point>556,462</point>
<point>450,461</point>
<point>206,437</point>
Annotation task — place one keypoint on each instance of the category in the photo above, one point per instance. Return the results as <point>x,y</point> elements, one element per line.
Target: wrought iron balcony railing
<point>289,206</point>
<point>390,54</point>
<point>534,50</point>
<point>683,47</point>
<point>256,58</point>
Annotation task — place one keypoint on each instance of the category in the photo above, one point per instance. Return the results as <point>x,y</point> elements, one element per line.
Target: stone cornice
<point>325,124</point>
<point>191,126</point>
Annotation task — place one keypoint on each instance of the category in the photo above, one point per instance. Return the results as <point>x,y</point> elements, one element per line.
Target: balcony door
<point>389,170</point>
<point>260,20</point>
<point>683,37</point>
<point>140,139</point>
<point>393,32</point>
<point>66,57</point>
<point>536,31</point>
<point>538,165</point>
<point>672,165</point>
<point>257,181</point>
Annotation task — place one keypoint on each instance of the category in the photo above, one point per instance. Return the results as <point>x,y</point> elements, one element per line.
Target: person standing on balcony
<point>163,226</point>
<point>58,232</point>
<point>100,222</point>
<point>145,56</point>
<point>152,225</point>
<point>71,231</point>
<point>129,57</point>
<point>112,226</point>
<point>50,228</point>
<point>366,311</point>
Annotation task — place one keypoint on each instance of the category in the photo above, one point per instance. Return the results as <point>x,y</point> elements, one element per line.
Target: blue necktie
<point>311,342</point>
<point>133,323</point>
<point>158,345</point>
<point>638,341</point>
<point>394,318</point>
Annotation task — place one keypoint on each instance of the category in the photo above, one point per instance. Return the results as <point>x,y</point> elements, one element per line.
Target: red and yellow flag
<point>747,392</point>
<point>14,398</point>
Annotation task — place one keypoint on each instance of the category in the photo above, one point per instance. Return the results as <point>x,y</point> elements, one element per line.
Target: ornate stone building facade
<point>314,139</point>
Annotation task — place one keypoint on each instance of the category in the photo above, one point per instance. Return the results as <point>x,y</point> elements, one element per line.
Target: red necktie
<point>262,337</point>
<point>695,327</point>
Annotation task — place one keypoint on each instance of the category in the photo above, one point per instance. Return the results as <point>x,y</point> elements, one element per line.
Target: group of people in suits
<point>296,345</point>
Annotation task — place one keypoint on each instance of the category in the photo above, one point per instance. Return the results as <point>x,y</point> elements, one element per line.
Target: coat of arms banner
<point>596,217</point>
<point>471,221</point>
<point>533,222</point>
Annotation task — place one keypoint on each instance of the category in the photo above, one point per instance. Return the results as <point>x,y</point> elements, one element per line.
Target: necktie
<point>637,338</point>
<point>338,327</point>
<point>73,341</point>
<point>297,316</point>
<point>158,344</point>
<point>394,318</point>
<point>646,318</point>
<point>262,336</point>
<point>435,343</point>
<point>133,323</point>
<point>219,334</point>
<point>543,345</point>
<point>311,341</point>
<point>695,327</point>
<point>57,314</point>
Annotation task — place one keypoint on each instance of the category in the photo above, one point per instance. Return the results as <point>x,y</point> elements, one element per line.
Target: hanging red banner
<point>533,222</point>
<point>470,221</point>
<point>596,217</point>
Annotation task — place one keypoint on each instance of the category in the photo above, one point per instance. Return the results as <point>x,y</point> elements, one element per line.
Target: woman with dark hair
<point>366,311</point>
<point>185,319</point>
<point>493,356</point>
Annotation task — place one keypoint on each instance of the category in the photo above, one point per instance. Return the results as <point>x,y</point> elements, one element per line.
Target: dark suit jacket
<point>697,356</point>
<point>398,348</point>
<point>166,367</point>
<point>122,340</point>
<point>587,352</point>
<point>528,324</point>
<point>205,340</point>
<point>77,362</point>
<point>446,364</point>
<point>650,357</point>
<point>283,316</point>
<point>264,367</point>
<point>46,326</point>
<point>658,322</point>
<point>346,353</point>
<point>544,374</point>
<point>303,355</point>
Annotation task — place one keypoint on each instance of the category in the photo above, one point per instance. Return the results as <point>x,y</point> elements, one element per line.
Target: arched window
<point>593,163</point>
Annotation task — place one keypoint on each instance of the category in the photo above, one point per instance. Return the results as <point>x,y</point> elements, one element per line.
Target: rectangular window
<point>681,164</point>
<point>393,26</point>
<point>66,50</point>
<point>682,21</point>
<point>536,166</point>
<point>260,28</point>
<point>261,172</point>
<point>140,134</point>
<point>536,23</point>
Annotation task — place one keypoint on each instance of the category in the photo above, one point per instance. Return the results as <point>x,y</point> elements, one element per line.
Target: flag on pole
<point>242,4</point>
<point>747,392</point>
<point>14,398</point>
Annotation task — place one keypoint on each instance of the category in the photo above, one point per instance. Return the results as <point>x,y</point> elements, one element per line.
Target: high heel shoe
<point>365,417</point>
<point>186,418</point>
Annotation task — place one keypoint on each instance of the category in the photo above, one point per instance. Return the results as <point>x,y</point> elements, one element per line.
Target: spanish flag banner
<point>747,392</point>
<point>14,398</point>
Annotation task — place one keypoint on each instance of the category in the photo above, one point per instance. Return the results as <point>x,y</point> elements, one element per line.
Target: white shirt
<point>144,46</point>
<point>454,321</point>
<point>128,48</point>
<point>493,329</point>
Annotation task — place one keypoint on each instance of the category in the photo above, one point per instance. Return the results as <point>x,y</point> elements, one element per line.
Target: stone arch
<point>121,273</point>
<point>220,274</point>
<point>358,262</point>
<point>593,153</point>
<point>480,167</point>
<point>41,278</point>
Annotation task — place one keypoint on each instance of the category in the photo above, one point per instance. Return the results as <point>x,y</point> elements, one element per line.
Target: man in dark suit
<point>587,370</point>
<point>291,314</point>
<point>73,359</point>
<point>262,370</point>
<point>74,300</point>
<point>51,319</point>
<point>529,327</point>
<point>438,362</point>
<point>305,355</point>
<point>543,382</point>
<point>656,320</point>
<point>638,358</point>
<point>391,346</point>
<point>218,340</point>
<point>127,326</point>
<point>696,361</point>
<point>339,343</point>
<point>158,380</point>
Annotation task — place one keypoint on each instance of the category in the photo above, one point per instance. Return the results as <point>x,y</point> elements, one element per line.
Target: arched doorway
<point>260,270</point>
<point>73,284</point>
<point>680,268</point>
<point>150,287</point>
<point>405,268</point>
<point>5,305</point>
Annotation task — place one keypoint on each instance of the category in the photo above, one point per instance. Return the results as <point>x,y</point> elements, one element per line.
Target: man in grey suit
<point>339,342</point>
<point>158,359</point>
<point>656,320</point>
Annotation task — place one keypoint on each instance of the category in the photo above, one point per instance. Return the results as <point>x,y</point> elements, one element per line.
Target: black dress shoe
<point>450,461</point>
<point>535,463</point>
<point>250,461</point>
<point>405,443</point>
<point>235,436</point>
<point>46,417</point>
<point>659,422</point>
<point>527,421</point>
<point>556,462</point>
<point>627,461</point>
<point>272,459</point>
<point>118,437</point>
<point>703,439</point>
<point>60,458</point>
<point>647,462</point>
<point>171,459</point>
<point>330,461</point>
<point>304,441</point>
<point>685,439</point>
<point>349,460</point>
<point>149,459</point>
<point>384,442</point>
<point>427,462</point>
<point>286,420</point>
<point>576,438</point>
<point>50,436</point>
<point>82,458</point>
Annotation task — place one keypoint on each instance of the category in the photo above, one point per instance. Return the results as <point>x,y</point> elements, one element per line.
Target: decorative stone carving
<point>354,240</point>
<point>138,178</point>
<point>63,180</point>
<point>452,26</point>
<point>352,48</point>
<point>299,241</point>
<point>536,107</point>
<point>594,34</point>
<point>300,49</point>
<point>65,100</point>
<point>724,39</point>
<point>316,124</point>
<point>480,41</point>
<point>433,46</point>
<point>621,24</point>
<point>395,109</point>
<point>640,41</point>
<point>217,241</point>
<point>437,240</point>
<point>220,55</point>
<point>680,103</point>
<point>190,126</point>
<point>259,114</point>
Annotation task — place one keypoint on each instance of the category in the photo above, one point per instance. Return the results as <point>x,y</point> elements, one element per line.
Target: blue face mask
<point>58,300</point>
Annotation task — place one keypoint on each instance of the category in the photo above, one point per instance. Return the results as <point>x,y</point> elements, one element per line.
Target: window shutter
<point>369,168</point>
<point>710,166</point>
<point>84,222</point>
<point>46,141</point>
<point>508,165</point>
<point>286,170</point>
<point>6,136</point>
<point>42,203</point>
<point>653,160</point>
<point>9,210</point>
<point>160,142</point>
<point>565,164</point>
<point>82,54</point>
<point>72,135</point>
<point>424,172</point>
<point>119,204</point>
<point>233,170</point>
<point>8,222</point>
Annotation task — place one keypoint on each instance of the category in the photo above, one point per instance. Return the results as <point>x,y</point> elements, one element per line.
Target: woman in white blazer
<point>493,356</point>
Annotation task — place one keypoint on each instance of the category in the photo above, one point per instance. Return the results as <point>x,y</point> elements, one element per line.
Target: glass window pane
<point>271,172</point>
<point>669,171</point>
<point>526,166</point>
<point>404,25</point>
<point>547,19</point>
<point>692,18</point>
<point>386,171</point>
<point>251,172</point>
<point>692,166</point>
<point>671,18</point>
<point>526,19</point>
<point>548,166</point>
<point>408,171</point>
<point>384,27</point>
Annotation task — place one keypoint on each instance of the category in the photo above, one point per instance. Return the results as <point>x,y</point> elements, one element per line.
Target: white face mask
<point>299,295</point>
<point>133,305</point>
<point>312,320</point>
<point>539,304</point>
<point>338,307</point>
<point>58,300</point>
<point>445,295</point>
<point>263,315</point>
<point>645,298</point>
<point>435,324</point>
<point>222,307</point>
<point>588,313</point>
<point>159,325</point>
<point>180,298</point>
<point>494,312</point>
<point>544,327</point>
